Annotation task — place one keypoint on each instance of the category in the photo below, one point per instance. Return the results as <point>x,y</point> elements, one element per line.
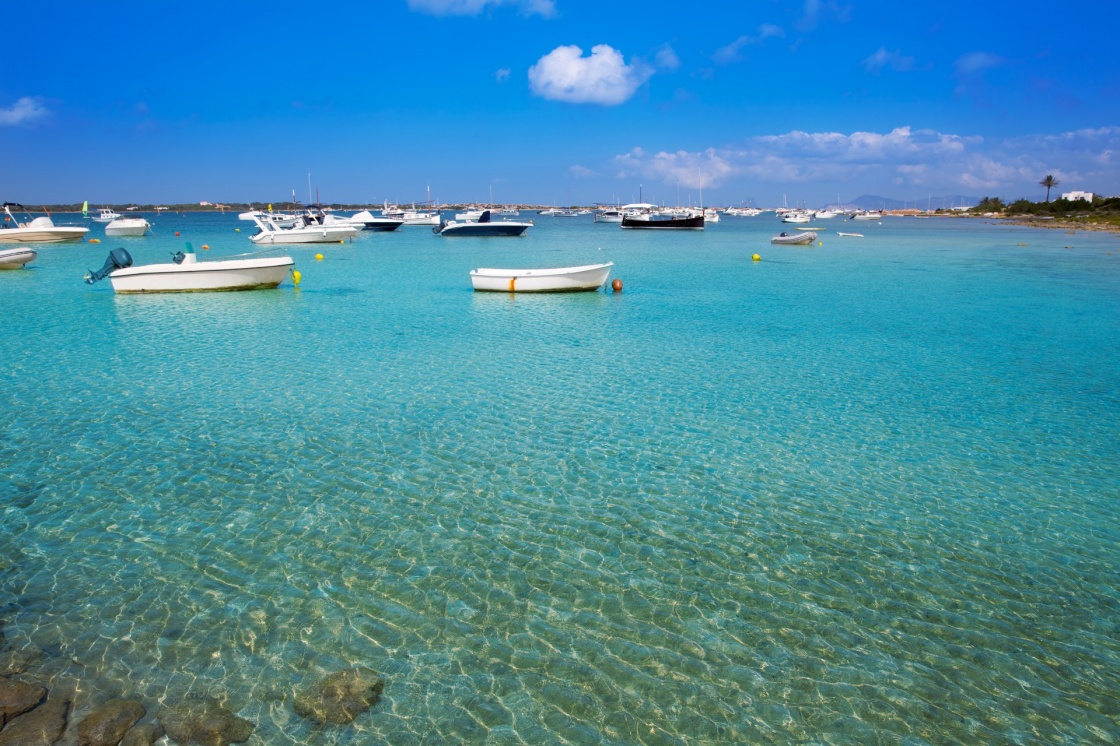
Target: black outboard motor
<point>118,259</point>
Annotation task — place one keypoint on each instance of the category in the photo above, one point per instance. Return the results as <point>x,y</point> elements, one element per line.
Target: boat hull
<point>322,234</point>
<point>694,223</point>
<point>484,229</point>
<point>202,277</point>
<point>42,235</point>
<point>586,278</point>
<point>797,239</point>
<point>16,258</point>
<point>134,231</point>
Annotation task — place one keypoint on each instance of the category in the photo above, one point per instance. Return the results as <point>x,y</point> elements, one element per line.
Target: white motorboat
<point>17,258</point>
<point>484,226</point>
<point>511,212</point>
<point>796,217</point>
<point>185,274</point>
<point>797,239</point>
<point>824,214</point>
<point>369,221</point>
<point>105,215</point>
<point>279,219</point>
<point>36,230</point>
<point>586,278</point>
<point>711,215</point>
<point>469,214</point>
<point>869,215</point>
<point>123,226</point>
<point>853,235</point>
<point>408,217</point>
<point>608,215</point>
<point>270,233</point>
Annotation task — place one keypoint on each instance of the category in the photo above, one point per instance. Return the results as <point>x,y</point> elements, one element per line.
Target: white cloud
<point>732,52</point>
<point>564,74</point>
<point>817,11</point>
<point>906,157</point>
<point>23,111</point>
<point>581,172</point>
<point>667,59</point>
<point>975,62</point>
<point>546,8</point>
<point>502,75</point>
<point>895,60</point>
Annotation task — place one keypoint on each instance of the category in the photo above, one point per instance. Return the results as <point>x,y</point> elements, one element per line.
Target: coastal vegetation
<point>1102,211</point>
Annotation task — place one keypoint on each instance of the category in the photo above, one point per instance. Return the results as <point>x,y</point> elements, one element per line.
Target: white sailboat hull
<point>311,234</point>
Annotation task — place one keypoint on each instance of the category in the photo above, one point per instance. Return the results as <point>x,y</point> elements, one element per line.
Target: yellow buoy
<point>296,276</point>
<point>820,243</point>
<point>318,257</point>
<point>237,230</point>
<point>756,258</point>
<point>341,241</point>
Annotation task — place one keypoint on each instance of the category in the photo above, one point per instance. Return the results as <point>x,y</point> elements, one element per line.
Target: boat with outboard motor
<point>308,232</point>
<point>586,278</point>
<point>36,230</point>
<point>484,226</point>
<point>371,222</point>
<point>797,239</point>
<point>17,258</point>
<point>185,274</point>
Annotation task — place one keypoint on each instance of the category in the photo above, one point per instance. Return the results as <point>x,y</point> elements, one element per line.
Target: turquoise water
<point>852,493</point>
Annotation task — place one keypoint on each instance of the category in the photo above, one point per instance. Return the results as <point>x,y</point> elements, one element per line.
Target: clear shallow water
<point>861,492</point>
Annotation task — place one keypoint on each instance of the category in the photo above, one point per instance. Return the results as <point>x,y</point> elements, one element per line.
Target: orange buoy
<point>616,285</point>
<point>205,247</point>
<point>176,233</point>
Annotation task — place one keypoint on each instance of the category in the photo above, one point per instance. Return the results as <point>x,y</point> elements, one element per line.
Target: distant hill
<point>872,202</point>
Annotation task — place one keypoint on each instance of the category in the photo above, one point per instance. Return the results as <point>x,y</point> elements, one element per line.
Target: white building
<point>1071,196</point>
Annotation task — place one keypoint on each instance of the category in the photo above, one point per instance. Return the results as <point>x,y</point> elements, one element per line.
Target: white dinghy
<point>185,274</point>
<point>585,278</point>
<point>797,239</point>
<point>17,258</point>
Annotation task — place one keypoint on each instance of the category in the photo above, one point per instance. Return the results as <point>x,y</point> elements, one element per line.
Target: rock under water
<point>340,697</point>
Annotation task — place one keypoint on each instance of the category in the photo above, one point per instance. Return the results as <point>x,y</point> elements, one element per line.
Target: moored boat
<point>484,226</point>
<point>105,215</point>
<point>664,222</point>
<point>36,230</point>
<point>371,222</point>
<point>270,233</point>
<point>185,274</point>
<point>122,226</point>
<point>17,258</point>
<point>797,239</point>
<point>585,278</point>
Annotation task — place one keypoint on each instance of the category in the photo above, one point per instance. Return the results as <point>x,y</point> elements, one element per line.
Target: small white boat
<point>608,215</point>
<point>484,226</point>
<point>122,226</point>
<point>105,215</point>
<point>279,219</point>
<point>185,274</point>
<point>270,233</point>
<point>796,217</point>
<point>407,217</point>
<point>856,235</point>
<point>867,216</point>
<point>824,214</point>
<point>17,258</point>
<point>369,221</point>
<point>586,278</point>
<point>797,239</point>
<point>36,230</point>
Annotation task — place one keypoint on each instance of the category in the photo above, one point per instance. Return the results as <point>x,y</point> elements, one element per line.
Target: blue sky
<point>559,101</point>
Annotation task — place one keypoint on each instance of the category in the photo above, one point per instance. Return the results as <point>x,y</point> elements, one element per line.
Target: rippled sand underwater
<point>853,493</point>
